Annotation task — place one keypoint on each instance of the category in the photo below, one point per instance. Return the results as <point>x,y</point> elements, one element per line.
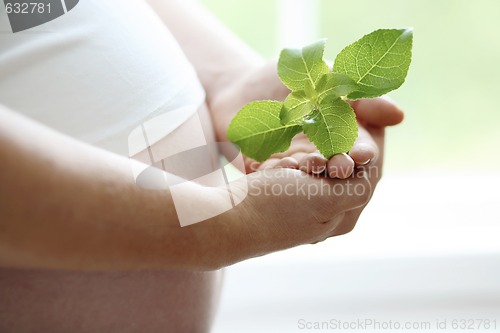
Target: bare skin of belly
<point>127,301</point>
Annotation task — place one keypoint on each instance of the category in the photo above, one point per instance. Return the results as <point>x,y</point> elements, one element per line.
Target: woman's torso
<point>96,73</point>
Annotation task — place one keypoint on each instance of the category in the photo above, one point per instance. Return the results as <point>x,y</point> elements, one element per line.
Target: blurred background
<point>450,93</point>
<point>428,244</point>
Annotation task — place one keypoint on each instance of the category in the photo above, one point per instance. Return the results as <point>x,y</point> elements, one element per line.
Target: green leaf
<point>310,91</point>
<point>296,106</point>
<point>335,85</point>
<point>372,66</point>
<point>378,62</point>
<point>332,128</point>
<point>298,66</point>
<point>258,131</point>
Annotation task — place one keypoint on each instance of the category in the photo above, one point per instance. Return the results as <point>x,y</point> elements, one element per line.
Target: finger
<point>373,174</point>
<point>345,195</point>
<point>251,165</point>
<point>374,170</point>
<point>298,156</point>
<point>348,222</point>
<point>340,166</point>
<point>377,134</point>
<point>330,227</point>
<point>268,164</point>
<point>325,197</point>
<point>349,194</point>
<point>313,163</point>
<point>364,149</point>
<point>287,162</point>
<point>380,111</point>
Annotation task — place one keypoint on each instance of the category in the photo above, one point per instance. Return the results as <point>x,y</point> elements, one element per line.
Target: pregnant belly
<point>132,301</point>
<point>143,301</point>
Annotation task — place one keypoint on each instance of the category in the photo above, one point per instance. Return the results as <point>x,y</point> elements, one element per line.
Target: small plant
<point>370,67</point>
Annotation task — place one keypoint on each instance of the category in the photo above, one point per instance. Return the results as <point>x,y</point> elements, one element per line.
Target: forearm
<point>220,58</point>
<point>65,204</point>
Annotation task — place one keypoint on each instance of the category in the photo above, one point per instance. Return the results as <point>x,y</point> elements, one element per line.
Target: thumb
<point>381,111</point>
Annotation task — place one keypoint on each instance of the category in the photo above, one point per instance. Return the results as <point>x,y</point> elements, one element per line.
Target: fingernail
<point>317,171</point>
<point>364,163</point>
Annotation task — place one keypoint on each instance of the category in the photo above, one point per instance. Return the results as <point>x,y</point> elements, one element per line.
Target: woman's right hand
<point>280,209</point>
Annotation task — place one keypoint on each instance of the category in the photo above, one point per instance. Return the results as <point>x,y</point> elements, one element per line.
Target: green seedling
<point>372,66</point>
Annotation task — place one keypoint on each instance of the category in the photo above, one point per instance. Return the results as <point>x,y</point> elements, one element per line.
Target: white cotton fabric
<point>99,72</point>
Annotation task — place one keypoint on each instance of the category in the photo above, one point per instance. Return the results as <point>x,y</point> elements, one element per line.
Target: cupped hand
<point>262,83</point>
<point>275,221</point>
<point>282,208</point>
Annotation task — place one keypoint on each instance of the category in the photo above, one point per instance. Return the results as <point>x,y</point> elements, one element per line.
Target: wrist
<point>218,81</point>
<point>257,82</point>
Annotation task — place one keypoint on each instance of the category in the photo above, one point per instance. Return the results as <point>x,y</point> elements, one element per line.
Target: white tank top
<point>98,72</point>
